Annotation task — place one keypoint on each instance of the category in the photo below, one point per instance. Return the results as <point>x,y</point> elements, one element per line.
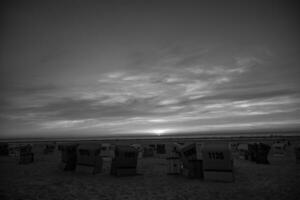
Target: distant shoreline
<point>166,138</point>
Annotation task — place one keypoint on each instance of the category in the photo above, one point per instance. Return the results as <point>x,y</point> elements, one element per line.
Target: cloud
<point>177,89</point>
<point>241,94</point>
<point>68,108</point>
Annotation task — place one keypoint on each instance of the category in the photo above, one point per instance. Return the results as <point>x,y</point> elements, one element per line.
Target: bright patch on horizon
<point>160,132</point>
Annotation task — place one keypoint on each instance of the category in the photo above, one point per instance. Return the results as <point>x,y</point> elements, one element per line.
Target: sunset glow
<point>106,69</point>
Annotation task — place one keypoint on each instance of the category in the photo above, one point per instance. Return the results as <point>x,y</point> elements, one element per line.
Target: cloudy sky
<point>137,67</point>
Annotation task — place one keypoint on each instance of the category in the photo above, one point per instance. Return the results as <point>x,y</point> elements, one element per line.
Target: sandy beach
<point>44,180</point>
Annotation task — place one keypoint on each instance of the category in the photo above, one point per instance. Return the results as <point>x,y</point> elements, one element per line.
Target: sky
<point>143,67</point>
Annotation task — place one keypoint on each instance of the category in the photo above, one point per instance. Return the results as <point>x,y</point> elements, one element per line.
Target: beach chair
<point>217,162</point>
<point>3,149</point>
<point>243,151</point>
<point>192,160</point>
<point>125,161</point>
<point>106,150</point>
<point>148,152</point>
<point>13,150</point>
<point>25,156</point>
<point>49,148</point>
<point>174,166</point>
<point>173,158</point>
<point>68,157</point>
<point>297,153</point>
<point>161,150</point>
<point>278,149</point>
<point>262,153</point>
<point>139,149</point>
<point>252,152</point>
<point>88,158</point>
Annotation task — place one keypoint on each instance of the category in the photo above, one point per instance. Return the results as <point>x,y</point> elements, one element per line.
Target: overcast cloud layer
<point>108,68</point>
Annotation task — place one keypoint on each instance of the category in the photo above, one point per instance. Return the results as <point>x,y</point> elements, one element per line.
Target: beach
<point>43,179</point>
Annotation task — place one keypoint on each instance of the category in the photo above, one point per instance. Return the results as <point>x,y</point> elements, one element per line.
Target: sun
<point>160,131</point>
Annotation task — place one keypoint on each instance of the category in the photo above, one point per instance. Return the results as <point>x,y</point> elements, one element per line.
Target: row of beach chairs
<point>87,158</point>
<point>255,152</point>
<point>208,161</point>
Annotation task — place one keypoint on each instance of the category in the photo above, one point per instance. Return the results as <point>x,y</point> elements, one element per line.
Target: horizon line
<point>277,134</point>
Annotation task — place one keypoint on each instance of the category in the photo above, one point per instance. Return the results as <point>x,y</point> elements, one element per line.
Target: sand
<point>44,180</point>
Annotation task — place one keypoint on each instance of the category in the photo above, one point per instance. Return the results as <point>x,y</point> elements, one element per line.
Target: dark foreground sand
<point>43,180</point>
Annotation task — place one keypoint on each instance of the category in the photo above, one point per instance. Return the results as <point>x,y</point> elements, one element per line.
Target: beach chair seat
<point>125,161</point>
<point>88,158</point>
<point>217,162</point>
